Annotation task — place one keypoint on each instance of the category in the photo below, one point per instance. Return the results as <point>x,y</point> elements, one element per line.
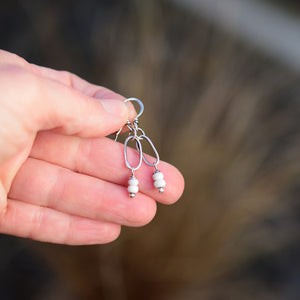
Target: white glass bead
<point>159,183</point>
<point>133,189</point>
<point>133,181</point>
<point>157,176</point>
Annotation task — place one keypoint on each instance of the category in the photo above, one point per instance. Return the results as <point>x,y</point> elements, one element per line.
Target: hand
<point>61,179</point>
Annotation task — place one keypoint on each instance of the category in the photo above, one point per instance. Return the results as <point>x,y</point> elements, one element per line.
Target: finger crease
<point>37,220</point>
<point>82,154</point>
<point>68,230</point>
<point>57,189</point>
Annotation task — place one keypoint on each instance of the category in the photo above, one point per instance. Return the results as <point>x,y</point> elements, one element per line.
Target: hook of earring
<point>135,122</point>
<point>140,103</point>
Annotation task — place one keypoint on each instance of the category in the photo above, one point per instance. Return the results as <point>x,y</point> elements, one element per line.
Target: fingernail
<point>115,107</point>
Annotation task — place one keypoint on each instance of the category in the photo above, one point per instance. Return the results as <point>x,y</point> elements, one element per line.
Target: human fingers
<point>65,78</point>
<point>47,225</point>
<point>47,104</point>
<point>77,83</point>
<point>104,158</point>
<point>74,81</point>
<point>48,185</point>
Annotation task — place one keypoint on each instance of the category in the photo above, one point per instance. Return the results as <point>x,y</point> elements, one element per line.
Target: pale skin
<point>61,179</point>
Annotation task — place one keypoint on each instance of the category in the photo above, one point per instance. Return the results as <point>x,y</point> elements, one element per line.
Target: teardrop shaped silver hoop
<point>137,134</point>
<point>139,149</point>
<point>143,136</point>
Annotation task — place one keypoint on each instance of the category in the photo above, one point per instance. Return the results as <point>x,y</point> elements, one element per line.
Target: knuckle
<point>28,83</point>
<point>11,58</point>
<point>66,77</point>
<point>19,81</point>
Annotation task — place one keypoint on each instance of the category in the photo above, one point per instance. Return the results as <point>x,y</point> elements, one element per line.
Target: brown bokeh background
<point>224,113</point>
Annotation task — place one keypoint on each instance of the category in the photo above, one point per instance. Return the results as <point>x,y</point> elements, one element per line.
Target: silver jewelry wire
<point>135,121</point>
<point>133,135</point>
<point>143,136</point>
<point>138,147</point>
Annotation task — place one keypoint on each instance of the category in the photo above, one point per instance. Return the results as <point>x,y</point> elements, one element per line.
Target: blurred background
<point>220,84</point>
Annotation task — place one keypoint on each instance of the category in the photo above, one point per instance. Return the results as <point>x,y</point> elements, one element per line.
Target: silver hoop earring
<point>138,135</point>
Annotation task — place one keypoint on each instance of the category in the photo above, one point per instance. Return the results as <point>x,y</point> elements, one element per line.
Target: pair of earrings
<point>137,134</point>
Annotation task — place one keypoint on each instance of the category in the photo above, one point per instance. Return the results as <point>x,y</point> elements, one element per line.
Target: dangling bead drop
<point>159,181</point>
<point>133,186</point>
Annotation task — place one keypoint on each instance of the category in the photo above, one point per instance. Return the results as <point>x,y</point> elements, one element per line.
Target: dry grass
<point>228,118</point>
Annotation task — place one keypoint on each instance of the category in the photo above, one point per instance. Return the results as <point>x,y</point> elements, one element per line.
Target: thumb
<point>52,104</point>
<point>45,104</point>
<point>74,113</point>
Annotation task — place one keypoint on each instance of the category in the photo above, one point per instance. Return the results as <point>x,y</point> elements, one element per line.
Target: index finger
<point>81,85</point>
<point>103,158</point>
<point>66,78</point>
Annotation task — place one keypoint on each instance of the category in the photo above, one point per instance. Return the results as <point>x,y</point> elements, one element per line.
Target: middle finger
<point>42,183</point>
